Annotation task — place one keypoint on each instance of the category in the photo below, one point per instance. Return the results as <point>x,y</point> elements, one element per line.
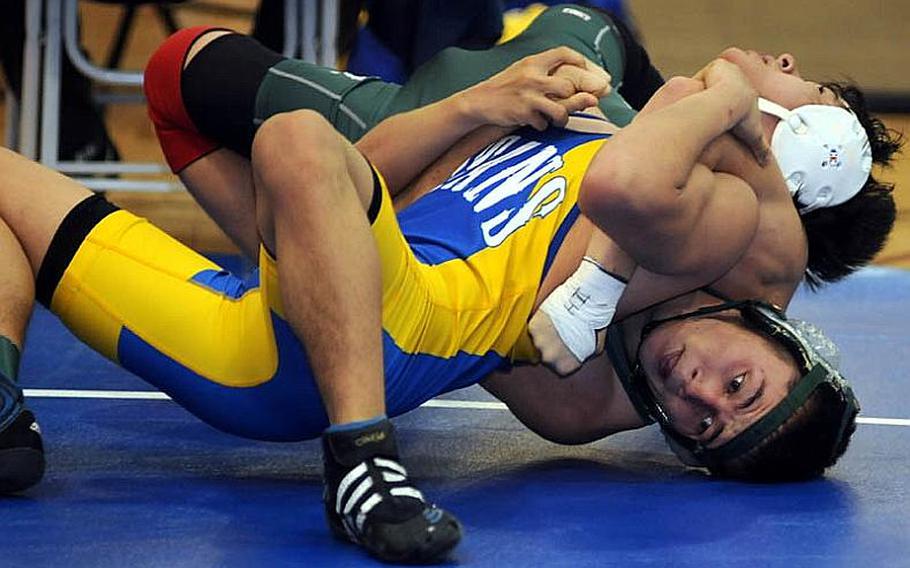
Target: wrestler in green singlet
<point>355,104</point>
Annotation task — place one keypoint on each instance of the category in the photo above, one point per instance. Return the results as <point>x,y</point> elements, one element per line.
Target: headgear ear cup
<point>823,152</point>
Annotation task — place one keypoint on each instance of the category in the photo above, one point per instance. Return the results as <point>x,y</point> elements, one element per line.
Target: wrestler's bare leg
<point>21,447</point>
<point>33,201</point>
<point>309,204</point>
<point>313,190</point>
<point>313,196</point>
<point>17,288</point>
<point>222,182</point>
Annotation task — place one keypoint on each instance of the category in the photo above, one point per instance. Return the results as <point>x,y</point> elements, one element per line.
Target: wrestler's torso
<point>494,227</point>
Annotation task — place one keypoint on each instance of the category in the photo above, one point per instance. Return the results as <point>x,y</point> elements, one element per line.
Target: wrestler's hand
<point>747,126</point>
<point>553,352</point>
<point>539,90</point>
<point>569,327</point>
<point>588,78</point>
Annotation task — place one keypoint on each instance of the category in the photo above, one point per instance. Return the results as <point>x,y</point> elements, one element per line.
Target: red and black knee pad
<point>180,140</point>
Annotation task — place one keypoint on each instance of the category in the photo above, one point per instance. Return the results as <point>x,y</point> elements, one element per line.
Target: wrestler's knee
<point>302,134</point>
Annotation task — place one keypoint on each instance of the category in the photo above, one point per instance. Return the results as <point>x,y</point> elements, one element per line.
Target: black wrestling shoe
<point>21,454</point>
<point>370,501</point>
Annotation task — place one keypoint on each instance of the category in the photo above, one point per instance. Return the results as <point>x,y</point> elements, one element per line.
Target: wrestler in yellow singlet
<point>461,268</point>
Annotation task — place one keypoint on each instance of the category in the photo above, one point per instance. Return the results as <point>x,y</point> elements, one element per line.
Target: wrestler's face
<point>714,377</point>
<point>778,79</point>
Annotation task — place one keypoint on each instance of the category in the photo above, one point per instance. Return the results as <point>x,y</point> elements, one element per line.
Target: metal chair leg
<point>123,32</point>
<point>167,16</point>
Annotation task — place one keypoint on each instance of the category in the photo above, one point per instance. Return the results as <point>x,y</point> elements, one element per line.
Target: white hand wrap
<point>582,305</point>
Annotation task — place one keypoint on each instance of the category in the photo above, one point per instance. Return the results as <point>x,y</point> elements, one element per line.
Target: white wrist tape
<point>582,305</point>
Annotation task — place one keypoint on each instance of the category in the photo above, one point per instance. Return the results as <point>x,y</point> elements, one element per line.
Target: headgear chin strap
<point>814,354</point>
<point>823,152</point>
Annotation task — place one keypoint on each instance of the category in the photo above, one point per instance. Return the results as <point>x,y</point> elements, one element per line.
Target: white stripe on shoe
<point>346,482</point>
<point>357,493</point>
<point>367,506</point>
<point>392,477</point>
<point>407,491</point>
<point>389,464</point>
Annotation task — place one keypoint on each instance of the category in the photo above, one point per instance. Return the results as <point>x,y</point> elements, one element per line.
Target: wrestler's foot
<point>370,500</point>
<point>21,454</point>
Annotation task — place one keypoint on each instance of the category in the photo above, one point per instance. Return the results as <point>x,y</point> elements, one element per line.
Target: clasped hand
<point>747,127</point>
<point>539,90</point>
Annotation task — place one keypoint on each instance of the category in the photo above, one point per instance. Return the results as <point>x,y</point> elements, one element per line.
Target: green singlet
<point>355,104</point>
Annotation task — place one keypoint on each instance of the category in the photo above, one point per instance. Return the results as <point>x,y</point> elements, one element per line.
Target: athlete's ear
<point>787,63</point>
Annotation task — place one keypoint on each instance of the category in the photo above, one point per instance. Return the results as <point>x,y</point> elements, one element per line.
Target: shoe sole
<point>435,549</point>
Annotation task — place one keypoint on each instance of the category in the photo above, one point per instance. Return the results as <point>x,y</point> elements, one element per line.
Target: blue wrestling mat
<point>133,480</point>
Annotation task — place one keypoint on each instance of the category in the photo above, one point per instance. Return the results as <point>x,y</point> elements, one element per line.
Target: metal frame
<point>291,28</point>
<point>31,78</point>
<point>11,130</point>
<point>328,53</point>
<point>310,29</point>
<point>307,25</point>
<point>86,67</point>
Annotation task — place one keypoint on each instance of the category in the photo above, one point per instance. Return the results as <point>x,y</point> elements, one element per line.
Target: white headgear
<point>823,152</point>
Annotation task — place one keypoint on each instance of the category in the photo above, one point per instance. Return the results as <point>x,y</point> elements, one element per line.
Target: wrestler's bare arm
<point>649,190</point>
<point>772,265</point>
<point>585,407</point>
<point>774,261</point>
<point>529,92</point>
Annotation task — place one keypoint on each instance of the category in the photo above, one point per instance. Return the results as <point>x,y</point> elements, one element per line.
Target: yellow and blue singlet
<point>461,268</point>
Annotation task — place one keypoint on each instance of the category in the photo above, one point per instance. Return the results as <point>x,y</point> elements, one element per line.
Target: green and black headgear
<point>817,359</point>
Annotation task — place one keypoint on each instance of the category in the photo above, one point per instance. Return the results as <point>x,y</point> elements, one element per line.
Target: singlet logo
<point>496,179</point>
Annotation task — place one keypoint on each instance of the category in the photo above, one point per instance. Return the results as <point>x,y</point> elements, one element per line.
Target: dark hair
<point>846,237</point>
<point>801,448</point>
